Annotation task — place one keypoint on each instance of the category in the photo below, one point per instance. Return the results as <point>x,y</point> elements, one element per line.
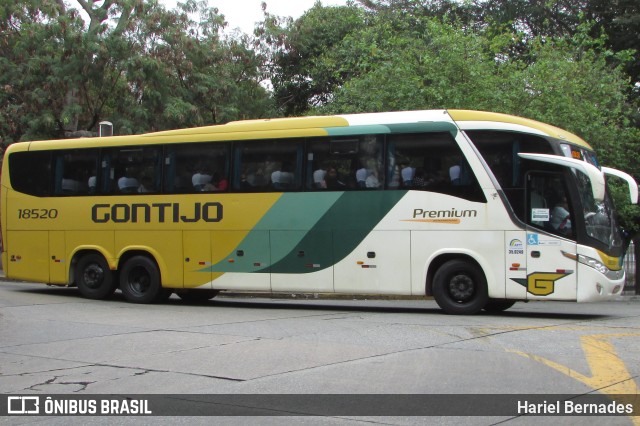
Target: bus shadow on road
<point>379,306</point>
<point>337,304</point>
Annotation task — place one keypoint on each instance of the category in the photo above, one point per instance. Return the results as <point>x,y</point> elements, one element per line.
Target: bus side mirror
<point>633,186</point>
<point>596,177</point>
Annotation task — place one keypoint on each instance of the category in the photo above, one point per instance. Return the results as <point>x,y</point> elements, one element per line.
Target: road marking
<point>609,375</point>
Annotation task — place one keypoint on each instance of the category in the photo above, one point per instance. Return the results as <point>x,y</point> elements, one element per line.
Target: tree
<point>36,56</point>
<point>619,20</point>
<point>185,74</point>
<point>130,61</point>
<point>302,69</point>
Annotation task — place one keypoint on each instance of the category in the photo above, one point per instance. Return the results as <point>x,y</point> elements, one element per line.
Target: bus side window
<point>196,167</point>
<point>345,162</point>
<point>548,203</point>
<point>73,170</point>
<point>274,165</point>
<point>430,162</point>
<point>132,170</point>
<point>30,172</point>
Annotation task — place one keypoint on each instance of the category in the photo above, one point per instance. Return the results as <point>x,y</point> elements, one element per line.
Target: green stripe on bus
<point>292,212</point>
<point>309,232</point>
<point>427,126</point>
<point>375,129</point>
<point>338,233</point>
<point>372,129</point>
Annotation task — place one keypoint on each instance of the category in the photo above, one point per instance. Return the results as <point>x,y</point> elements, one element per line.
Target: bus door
<point>550,233</point>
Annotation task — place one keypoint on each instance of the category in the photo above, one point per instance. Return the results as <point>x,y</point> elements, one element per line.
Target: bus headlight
<point>593,263</point>
<point>589,261</point>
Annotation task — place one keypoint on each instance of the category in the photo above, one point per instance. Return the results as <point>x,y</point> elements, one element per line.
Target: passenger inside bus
<point>146,185</point>
<point>361,176</point>
<point>407,172</point>
<point>560,216</point>
<point>454,174</point>
<point>319,178</point>
<point>200,178</point>
<point>70,186</point>
<point>92,183</point>
<point>283,178</point>
<point>372,180</point>
<point>332,182</point>
<point>128,184</point>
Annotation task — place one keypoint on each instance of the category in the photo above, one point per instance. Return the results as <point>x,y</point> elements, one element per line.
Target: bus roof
<point>486,120</point>
<point>327,125</point>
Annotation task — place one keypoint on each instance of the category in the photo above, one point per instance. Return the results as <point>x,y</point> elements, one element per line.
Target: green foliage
<point>301,68</point>
<point>571,63</point>
<point>131,62</point>
<point>543,60</point>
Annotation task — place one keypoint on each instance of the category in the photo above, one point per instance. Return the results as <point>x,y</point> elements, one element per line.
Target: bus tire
<point>140,280</point>
<point>498,305</point>
<point>460,287</point>
<point>93,277</point>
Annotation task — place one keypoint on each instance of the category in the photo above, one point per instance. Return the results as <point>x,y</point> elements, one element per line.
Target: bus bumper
<point>594,286</point>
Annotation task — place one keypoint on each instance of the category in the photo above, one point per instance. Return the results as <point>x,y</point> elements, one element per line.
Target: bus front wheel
<point>93,277</point>
<point>460,288</point>
<point>140,280</point>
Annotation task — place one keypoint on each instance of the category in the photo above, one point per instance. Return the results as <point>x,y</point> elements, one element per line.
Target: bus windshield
<point>600,222</point>
<point>597,225</point>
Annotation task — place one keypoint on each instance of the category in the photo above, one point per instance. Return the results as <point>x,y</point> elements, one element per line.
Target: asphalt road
<point>52,341</point>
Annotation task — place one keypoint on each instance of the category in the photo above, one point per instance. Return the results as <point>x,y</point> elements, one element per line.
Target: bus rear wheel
<point>94,278</point>
<point>460,288</point>
<point>140,280</point>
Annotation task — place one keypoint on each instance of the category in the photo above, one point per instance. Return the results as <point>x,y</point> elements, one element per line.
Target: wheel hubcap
<point>139,280</point>
<point>461,288</point>
<point>93,276</point>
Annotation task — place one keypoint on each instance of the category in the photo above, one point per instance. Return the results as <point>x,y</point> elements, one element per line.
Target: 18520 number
<point>37,213</point>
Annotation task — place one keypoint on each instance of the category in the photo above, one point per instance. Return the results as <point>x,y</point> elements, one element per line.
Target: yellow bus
<point>477,209</point>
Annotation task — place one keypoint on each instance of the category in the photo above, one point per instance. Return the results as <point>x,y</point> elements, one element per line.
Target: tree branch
<point>85,5</point>
<point>62,7</point>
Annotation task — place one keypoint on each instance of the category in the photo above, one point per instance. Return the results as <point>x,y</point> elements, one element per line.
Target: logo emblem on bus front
<point>541,283</point>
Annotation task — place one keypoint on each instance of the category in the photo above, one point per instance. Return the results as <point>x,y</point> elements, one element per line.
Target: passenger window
<point>75,172</point>
<point>196,167</point>
<point>549,205</point>
<point>431,162</point>
<point>130,170</point>
<point>345,163</point>
<point>31,173</point>
<point>500,152</point>
<point>268,165</point>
